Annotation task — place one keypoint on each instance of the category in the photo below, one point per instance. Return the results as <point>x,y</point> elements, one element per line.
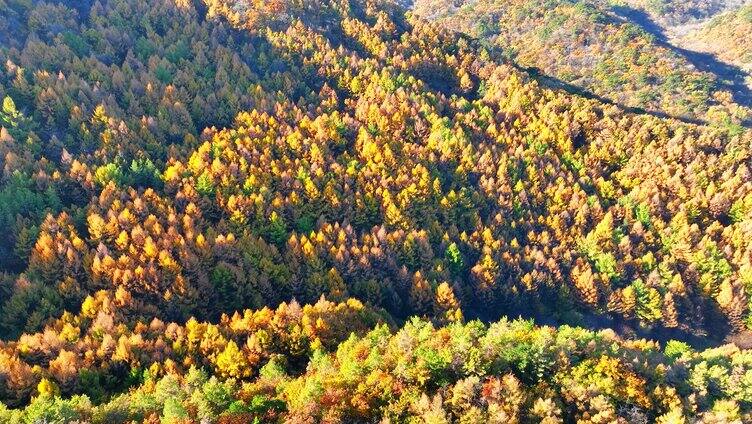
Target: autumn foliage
<point>179,177</point>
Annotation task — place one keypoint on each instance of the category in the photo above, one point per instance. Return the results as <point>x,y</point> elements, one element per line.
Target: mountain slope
<point>675,12</point>
<point>727,36</point>
<point>190,162</point>
<point>518,197</point>
<point>590,46</point>
<point>276,366</point>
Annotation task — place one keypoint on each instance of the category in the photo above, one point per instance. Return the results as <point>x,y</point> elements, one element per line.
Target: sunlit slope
<point>592,47</point>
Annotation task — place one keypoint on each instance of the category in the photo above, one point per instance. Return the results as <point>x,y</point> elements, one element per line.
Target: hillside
<point>611,51</point>
<point>325,211</point>
<point>727,36</point>
<point>290,370</point>
<point>680,12</point>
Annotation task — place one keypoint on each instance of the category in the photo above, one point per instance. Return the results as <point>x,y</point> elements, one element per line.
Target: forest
<point>726,36</point>
<point>337,211</point>
<point>619,52</point>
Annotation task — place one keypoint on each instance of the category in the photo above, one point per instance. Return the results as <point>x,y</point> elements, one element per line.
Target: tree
<point>233,363</point>
<point>421,296</point>
<point>669,313</point>
<point>454,259</point>
<point>47,389</point>
<point>277,229</point>
<point>584,281</point>
<point>648,302</point>
<point>485,274</point>
<point>447,306</point>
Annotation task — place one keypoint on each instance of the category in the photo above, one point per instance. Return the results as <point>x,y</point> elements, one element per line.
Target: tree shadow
<point>713,330</point>
<point>730,77</point>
